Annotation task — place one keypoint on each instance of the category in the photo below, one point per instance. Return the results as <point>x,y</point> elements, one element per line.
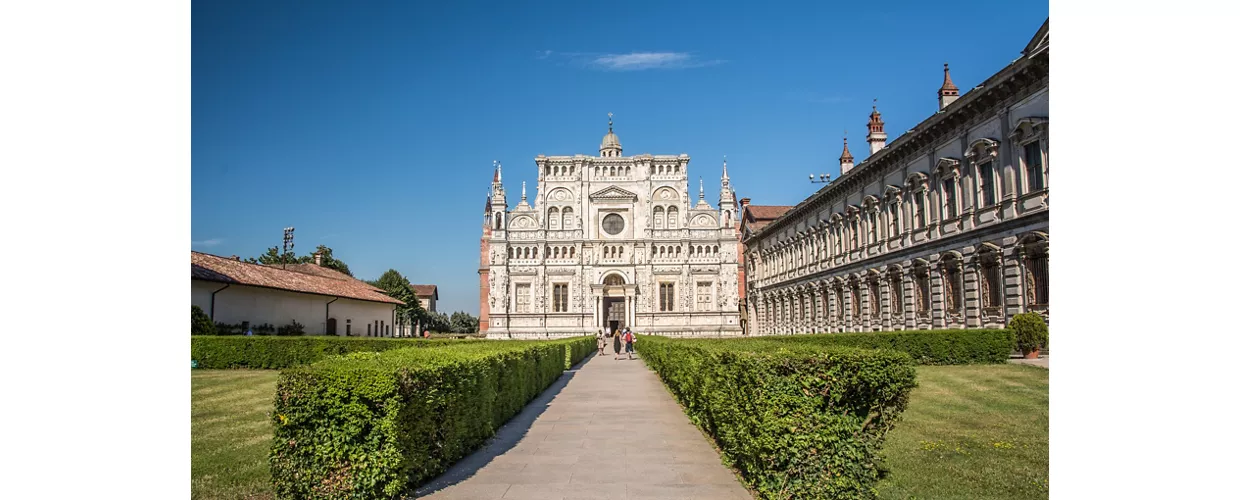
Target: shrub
<point>927,347</point>
<point>284,352</point>
<point>576,349</point>
<point>293,328</point>
<point>200,324</point>
<point>1029,331</point>
<point>797,420</point>
<point>374,425</point>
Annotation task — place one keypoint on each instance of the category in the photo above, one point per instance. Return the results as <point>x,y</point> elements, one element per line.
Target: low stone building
<point>325,301</point>
<point>945,227</point>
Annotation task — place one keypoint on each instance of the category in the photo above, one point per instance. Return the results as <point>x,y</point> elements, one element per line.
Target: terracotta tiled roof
<point>757,216</point>
<point>759,212</point>
<point>209,267</point>
<point>425,291</point>
<point>325,272</point>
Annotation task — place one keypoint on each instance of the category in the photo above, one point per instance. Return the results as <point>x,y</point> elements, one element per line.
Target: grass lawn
<point>230,433</point>
<point>972,432</point>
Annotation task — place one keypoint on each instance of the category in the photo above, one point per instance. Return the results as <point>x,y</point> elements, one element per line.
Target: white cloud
<point>636,61</point>
<point>544,54</point>
<point>208,243</point>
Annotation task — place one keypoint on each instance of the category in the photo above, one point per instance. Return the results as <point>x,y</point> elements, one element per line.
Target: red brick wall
<point>484,290</point>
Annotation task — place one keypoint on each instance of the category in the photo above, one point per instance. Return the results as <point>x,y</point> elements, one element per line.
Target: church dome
<point>611,143</point>
<point>610,140</point>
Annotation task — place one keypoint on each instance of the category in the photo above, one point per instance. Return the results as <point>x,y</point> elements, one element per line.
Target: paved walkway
<point>1043,362</point>
<point>608,429</point>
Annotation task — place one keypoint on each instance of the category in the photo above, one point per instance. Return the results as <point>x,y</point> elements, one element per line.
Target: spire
<point>947,80</point>
<point>948,93</point>
<point>609,121</point>
<point>877,137</point>
<point>701,190</point>
<point>725,167</point>
<point>499,176</point>
<point>522,191</point>
<point>846,158</point>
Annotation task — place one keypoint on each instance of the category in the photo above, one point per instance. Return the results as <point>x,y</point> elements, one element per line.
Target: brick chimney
<point>318,258</point>
<point>744,202</point>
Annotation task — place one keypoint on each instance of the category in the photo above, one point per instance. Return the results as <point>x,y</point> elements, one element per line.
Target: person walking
<point>602,343</point>
<point>616,345</point>
<point>629,339</point>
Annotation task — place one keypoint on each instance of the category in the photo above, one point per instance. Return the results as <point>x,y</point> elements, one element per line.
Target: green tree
<point>330,261</point>
<point>397,287</point>
<point>273,257</point>
<point>463,322</point>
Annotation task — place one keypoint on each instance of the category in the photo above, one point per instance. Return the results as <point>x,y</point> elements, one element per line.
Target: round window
<point>613,224</point>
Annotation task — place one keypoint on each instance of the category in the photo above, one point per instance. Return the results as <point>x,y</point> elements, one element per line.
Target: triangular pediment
<point>613,193</point>
<point>1041,40</point>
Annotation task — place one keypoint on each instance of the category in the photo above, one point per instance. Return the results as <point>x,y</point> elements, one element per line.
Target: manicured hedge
<point>577,348</point>
<point>283,352</point>
<point>375,425</point>
<point>797,420</point>
<point>927,347</point>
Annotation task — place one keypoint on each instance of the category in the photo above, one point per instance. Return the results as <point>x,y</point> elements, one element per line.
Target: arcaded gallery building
<point>608,242</point>
<point>947,226</point>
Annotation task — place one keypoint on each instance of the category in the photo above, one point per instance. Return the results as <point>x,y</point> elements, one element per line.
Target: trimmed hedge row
<point>797,420</point>
<point>284,352</point>
<point>373,425</point>
<point>927,347</point>
<point>577,348</point>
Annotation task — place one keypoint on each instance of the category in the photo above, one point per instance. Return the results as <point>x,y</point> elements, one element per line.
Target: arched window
<point>992,282</point>
<point>921,289</point>
<point>1037,287</point>
<point>553,217</point>
<point>568,218</point>
<point>509,252</point>
<point>893,220</point>
<point>950,206</point>
<point>872,221</point>
<point>895,289</point>
<point>613,280</point>
<point>658,217</point>
<point>919,210</point>
<point>876,301</point>
<point>673,215</point>
<point>952,286</point>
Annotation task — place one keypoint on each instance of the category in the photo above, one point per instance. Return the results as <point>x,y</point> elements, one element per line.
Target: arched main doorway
<point>614,313</point>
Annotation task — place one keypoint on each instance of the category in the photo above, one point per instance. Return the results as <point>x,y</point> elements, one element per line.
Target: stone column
<point>885,296</point>
<point>938,310</point>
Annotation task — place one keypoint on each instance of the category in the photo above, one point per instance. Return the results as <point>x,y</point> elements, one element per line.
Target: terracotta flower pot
<point>1033,354</point>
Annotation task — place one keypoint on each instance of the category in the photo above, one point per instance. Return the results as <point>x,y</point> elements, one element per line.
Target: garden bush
<point>273,352</point>
<point>1029,331</point>
<point>576,349</point>
<point>375,425</point>
<point>797,420</point>
<point>200,324</point>
<point>927,347</point>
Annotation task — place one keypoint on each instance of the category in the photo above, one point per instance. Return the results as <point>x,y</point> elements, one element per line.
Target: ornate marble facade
<point>610,241</point>
<point>946,227</point>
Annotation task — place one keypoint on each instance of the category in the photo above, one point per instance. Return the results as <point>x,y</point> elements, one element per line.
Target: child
<point>629,338</point>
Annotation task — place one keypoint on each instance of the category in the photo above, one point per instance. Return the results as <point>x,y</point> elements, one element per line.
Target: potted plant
<point>1030,333</point>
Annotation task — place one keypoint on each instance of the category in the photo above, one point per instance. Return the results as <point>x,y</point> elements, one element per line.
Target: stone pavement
<point>608,429</point>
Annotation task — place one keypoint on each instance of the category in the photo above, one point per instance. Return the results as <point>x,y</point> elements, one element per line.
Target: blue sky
<point>371,127</point>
